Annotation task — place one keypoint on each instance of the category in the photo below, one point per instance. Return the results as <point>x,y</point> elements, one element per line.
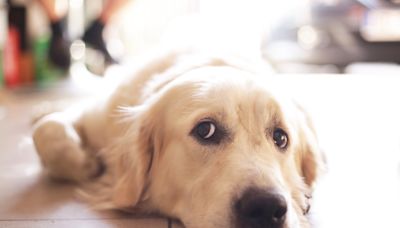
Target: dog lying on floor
<point>202,139</point>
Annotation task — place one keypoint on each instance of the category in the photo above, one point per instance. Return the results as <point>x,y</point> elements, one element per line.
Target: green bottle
<point>45,74</point>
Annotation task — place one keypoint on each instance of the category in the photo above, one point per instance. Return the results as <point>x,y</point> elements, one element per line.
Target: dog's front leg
<point>59,146</point>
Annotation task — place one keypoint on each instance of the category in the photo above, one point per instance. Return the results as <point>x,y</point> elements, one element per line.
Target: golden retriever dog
<point>207,140</point>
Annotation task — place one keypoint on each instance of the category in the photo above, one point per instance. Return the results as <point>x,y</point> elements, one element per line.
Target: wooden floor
<point>357,117</point>
<point>28,198</point>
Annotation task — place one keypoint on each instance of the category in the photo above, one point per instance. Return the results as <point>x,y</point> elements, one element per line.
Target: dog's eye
<point>280,138</point>
<point>207,132</point>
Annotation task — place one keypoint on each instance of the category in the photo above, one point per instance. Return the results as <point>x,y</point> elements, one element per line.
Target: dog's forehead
<point>214,81</point>
<point>226,90</point>
<point>219,74</point>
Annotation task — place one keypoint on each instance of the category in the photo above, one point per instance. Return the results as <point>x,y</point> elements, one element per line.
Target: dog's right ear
<point>310,156</point>
<point>133,157</point>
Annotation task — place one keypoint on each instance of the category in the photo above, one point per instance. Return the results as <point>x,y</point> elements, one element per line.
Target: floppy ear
<point>310,158</point>
<point>132,161</point>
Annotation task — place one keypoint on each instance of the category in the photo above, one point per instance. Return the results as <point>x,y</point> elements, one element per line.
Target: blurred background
<point>337,34</point>
<point>42,39</point>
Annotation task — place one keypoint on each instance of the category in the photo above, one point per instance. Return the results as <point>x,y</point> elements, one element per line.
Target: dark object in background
<point>93,36</point>
<point>59,45</point>
<point>17,19</point>
<point>338,32</point>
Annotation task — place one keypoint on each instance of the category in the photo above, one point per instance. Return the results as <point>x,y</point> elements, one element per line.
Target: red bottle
<point>12,58</point>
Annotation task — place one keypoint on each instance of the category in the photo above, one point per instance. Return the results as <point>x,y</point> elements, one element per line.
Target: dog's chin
<point>286,224</point>
<point>221,220</point>
<point>233,223</point>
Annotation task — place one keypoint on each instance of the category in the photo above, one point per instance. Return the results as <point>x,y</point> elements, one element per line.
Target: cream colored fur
<point>141,134</point>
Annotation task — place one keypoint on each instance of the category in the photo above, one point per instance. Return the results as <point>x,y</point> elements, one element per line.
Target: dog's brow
<point>274,114</point>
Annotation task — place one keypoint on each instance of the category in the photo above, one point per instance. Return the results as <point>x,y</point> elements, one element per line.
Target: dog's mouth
<point>307,207</point>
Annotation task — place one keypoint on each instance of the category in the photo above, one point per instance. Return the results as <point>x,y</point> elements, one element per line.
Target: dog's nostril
<point>280,213</point>
<point>280,210</point>
<point>261,208</point>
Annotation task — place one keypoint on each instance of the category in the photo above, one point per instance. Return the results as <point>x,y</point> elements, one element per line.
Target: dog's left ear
<point>310,159</point>
<point>133,159</point>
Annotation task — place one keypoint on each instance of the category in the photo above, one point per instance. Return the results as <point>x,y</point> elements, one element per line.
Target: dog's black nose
<point>261,208</point>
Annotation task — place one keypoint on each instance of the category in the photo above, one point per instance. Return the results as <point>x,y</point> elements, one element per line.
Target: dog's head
<point>217,148</point>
